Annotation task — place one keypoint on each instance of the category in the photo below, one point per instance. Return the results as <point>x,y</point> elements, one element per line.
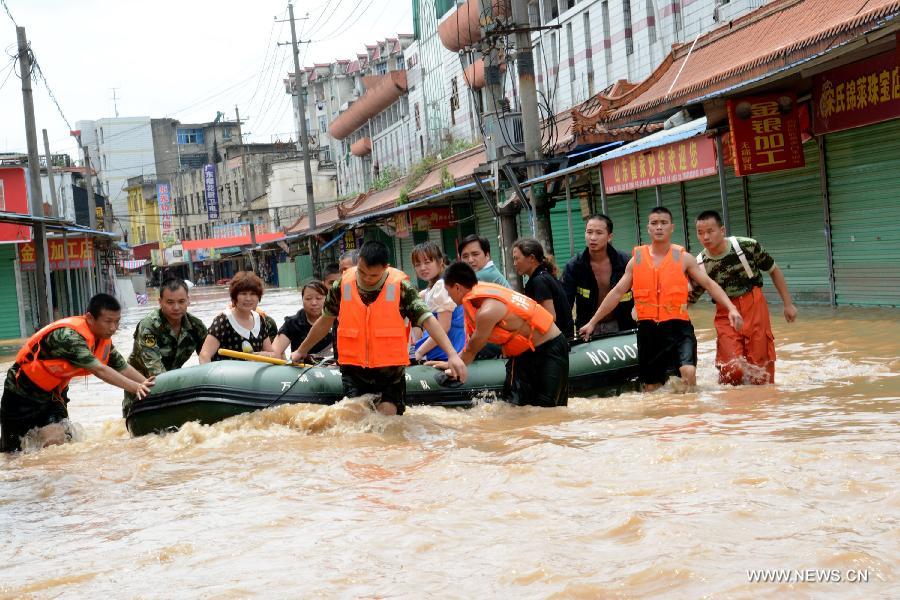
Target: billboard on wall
<point>765,133</point>
<point>670,163</point>
<point>81,254</point>
<point>165,207</point>
<point>212,192</point>
<point>861,93</point>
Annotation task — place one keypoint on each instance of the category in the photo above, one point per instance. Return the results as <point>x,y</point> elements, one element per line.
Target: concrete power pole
<point>91,208</point>
<point>493,94</point>
<point>54,200</point>
<point>304,146</point>
<point>531,122</point>
<point>39,229</point>
<point>245,187</point>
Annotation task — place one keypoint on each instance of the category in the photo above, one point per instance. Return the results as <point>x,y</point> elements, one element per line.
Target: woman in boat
<point>429,262</point>
<point>543,287</point>
<point>241,327</point>
<point>296,328</point>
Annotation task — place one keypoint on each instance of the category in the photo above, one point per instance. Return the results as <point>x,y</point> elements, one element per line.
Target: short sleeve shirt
<point>297,327</point>
<point>543,286</point>
<point>230,339</point>
<point>728,272</point>
<point>67,344</point>
<point>437,298</point>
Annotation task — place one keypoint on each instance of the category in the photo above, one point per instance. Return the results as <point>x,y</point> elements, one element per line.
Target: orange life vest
<point>375,335</point>
<point>512,342</point>
<point>55,373</point>
<point>660,293</point>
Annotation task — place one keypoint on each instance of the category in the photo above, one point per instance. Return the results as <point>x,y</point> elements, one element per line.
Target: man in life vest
<point>737,265</point>
<point>658,277</point>
<point>371,303</point>
<point>36,390</point>
<point>537,372</point>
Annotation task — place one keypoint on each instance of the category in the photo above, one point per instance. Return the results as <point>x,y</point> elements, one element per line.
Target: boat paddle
<point>258,358</point>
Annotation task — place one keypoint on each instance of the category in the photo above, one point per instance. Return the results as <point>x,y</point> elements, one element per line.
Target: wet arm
<point>319,330</point>
<point>487,317</point>
<point>210,347</point>
<point>613,298</point>
<point>790,311</point>
<point>445,319</point>
<point>113,377</point>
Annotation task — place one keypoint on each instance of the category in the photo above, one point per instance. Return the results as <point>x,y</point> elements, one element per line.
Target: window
<point>190,136</point>
<point>570,44</point>
<point>629,41</point>
<point>101,136</point>
<point>454,100</point>
<point>589,53</point>
<point>607,41</point>
<point>381,68</point>
<point>323,124</point>
<point>2,197</point>
<point>401,64</point>
<point>226,134</point>
<point>651,21</point>
<point>418,116</point>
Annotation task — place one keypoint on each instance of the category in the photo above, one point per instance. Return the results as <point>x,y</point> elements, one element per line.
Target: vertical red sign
<point>765,133</point>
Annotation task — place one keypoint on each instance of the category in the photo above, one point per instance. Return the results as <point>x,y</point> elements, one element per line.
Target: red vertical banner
<point>765,133</point>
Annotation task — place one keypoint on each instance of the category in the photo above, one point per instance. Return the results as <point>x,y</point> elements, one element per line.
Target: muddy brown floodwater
<point>660,495</point>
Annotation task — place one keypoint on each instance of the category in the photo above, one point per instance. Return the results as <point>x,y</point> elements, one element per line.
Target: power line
<point>40,72</point>
<point>8,14</point>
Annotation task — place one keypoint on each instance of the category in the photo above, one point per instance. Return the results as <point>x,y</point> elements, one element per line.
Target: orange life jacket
<point>375,335</point>
<point>660,293</point>
<point>512,342</point>
<point>55,373</point>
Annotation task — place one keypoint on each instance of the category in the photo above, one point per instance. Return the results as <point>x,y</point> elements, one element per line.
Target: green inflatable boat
<point>209,393</point>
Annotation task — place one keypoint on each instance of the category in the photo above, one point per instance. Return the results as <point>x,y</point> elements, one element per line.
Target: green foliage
<point>416,174</point>
<point>457,146</point>
<point>447,180</point>
<point>387,176</point>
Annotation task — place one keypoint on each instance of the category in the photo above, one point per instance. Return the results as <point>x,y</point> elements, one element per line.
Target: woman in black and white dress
<point>242,327</point>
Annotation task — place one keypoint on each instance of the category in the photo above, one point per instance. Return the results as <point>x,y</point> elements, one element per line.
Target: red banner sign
<point>857,94</point>
<point>14,199</point>
<point>81,254</point>
<point>678,161</point>
<point>424,219</point>
<point>765,133</point>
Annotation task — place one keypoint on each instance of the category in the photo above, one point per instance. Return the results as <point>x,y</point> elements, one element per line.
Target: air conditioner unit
<point>503,135</point>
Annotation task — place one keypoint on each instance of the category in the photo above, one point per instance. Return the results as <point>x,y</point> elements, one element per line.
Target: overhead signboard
<point>679,161</point>
<point>861,93</point>
<point>765,133</point>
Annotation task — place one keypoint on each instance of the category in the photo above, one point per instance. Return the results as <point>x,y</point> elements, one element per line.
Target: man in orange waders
<point>35,394</point>
<point>371,302</point>
<point>658,277</point>
<point>745,356</point>
<point>537,372</point>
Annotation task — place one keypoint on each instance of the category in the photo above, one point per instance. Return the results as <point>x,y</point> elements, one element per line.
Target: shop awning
<point>230,242</point>
<point>131,265</point>
<point>53,224</point>
<point>654,140</point>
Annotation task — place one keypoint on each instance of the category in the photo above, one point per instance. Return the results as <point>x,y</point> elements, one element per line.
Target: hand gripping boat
<point>209,393</point>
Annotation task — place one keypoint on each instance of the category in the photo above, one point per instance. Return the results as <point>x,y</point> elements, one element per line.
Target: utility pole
<point>531,123</point>
<point>304,146</point>
<point>39,230</point>
<point>245,186</point>
<point>54,200</point>
<point>92,211</point>
<point>493,94</point>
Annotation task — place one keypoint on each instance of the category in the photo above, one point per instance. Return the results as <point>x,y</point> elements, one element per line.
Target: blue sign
<point>212,192</point>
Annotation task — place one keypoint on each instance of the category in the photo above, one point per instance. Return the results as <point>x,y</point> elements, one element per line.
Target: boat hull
<point>212,392</point>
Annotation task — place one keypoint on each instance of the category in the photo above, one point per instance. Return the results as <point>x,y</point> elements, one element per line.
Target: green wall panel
<point>864,195</point>
<point>9,303</point>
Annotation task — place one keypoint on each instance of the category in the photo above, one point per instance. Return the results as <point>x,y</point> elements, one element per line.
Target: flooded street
<point>660,495</point>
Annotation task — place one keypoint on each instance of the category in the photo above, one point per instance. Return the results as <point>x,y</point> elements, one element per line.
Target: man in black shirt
<point>589,276</point>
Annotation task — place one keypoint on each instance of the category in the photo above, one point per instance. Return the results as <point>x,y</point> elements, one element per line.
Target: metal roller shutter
<point>488,227</point>
<point>863,183</point>
<point>621,211</point>
<point>559,221</point>
<point>9,303</point>
<point>786,218</point>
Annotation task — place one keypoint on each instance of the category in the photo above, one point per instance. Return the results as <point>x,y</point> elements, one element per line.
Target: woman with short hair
<point>296,327</point>
<point>241,327</point>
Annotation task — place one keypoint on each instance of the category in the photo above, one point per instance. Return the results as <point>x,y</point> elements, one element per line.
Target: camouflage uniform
<point>390,382</point>
<point>25,405</point>
<point>728,272</point>
<point>157,350</point>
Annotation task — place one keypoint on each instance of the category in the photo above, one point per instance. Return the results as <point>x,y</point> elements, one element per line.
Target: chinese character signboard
<point>212,192</point>
<point>401,225</point>
<point>857,94</point>
<point>165,207</point>
<point>765,133</point>
<point>81,254</point>
<point>678,161</point>
<point>424,219</point>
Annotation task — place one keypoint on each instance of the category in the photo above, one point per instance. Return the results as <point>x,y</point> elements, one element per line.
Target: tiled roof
<point>778,35</point>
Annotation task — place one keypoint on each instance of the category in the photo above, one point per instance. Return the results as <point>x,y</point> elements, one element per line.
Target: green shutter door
<point>463,214</point>
<point>863,184</point>
<point>704,194</point>
<point>488,228</point>
<point>9,303</point>
<point>786,218</point>
<point>621,211</point>
<point>559,221</point>
<point>404,260</point>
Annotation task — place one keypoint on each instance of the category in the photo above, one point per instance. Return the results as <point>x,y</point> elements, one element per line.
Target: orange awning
<point>463,28</point>
<point>228,242</point>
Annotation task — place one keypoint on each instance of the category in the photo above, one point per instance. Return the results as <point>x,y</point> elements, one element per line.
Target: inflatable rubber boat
<point>209,393</point>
